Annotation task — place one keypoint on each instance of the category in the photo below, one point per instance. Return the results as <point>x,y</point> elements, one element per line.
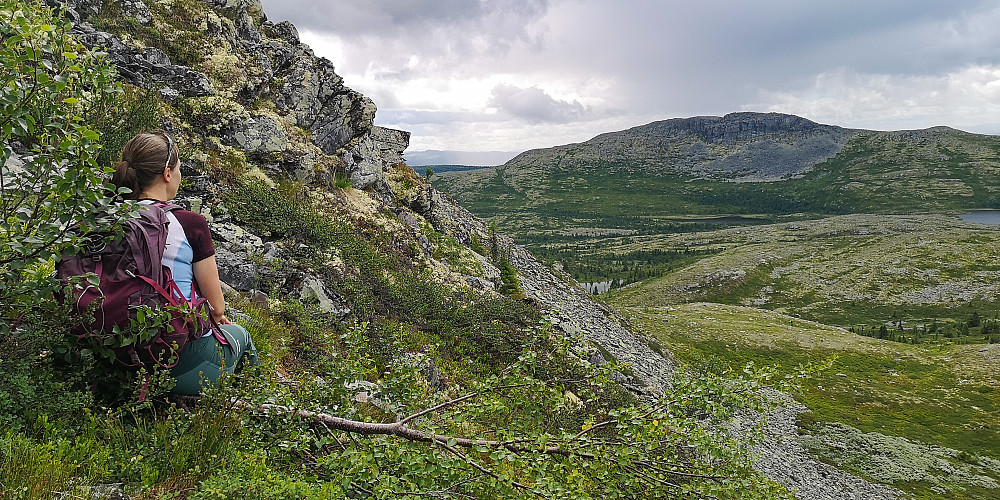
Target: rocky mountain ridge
<point>738,146</point>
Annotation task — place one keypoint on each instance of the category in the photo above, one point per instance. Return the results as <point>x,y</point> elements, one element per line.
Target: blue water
<point>991,217</point>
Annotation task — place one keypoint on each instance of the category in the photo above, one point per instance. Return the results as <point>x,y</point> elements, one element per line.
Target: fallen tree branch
<point>404,431</point>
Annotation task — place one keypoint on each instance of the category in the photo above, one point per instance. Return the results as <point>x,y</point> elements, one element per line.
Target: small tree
<point>47,81</point>
<point>974,320</point>
<point>428,173</point>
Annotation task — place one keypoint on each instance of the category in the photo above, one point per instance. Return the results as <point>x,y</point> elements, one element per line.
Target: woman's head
<point>145,159</point>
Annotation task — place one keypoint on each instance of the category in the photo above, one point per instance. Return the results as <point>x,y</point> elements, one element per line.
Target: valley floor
<point>915,410</point>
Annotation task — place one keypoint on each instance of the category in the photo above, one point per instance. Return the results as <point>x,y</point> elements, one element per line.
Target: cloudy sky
<point>511,75</point>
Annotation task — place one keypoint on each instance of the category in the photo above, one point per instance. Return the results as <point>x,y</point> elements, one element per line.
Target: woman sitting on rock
<point>150,167</point>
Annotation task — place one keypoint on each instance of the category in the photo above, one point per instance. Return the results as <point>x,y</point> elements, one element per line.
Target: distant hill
<point>741,163</point>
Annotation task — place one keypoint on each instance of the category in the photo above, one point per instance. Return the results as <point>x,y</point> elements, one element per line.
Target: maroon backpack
<point>134,285</point>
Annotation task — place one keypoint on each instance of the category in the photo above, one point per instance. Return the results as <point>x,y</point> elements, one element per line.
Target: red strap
<point>162,291</point>
<point>195,302</point>
<point>145,387</point>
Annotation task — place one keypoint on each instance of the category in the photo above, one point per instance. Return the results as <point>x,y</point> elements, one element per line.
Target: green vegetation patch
<point>923,394</point>
<point>857,271</point>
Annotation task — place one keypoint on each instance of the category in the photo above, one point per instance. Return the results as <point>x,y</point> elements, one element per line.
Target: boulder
<point>312,290</point>
<point>260,134</point>
<point>137,9</point>
<point>236,271</point>
<point>375,151</point>
<point>236,239</point>
<point>479,283</point>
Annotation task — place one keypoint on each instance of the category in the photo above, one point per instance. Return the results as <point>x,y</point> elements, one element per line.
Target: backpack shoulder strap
<point>167,206</point>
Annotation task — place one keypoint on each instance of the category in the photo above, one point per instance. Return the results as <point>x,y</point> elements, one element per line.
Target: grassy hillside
<point>933,170</point>
<point>853,271</point>
<point>918,417</point>
<point>915,409</point>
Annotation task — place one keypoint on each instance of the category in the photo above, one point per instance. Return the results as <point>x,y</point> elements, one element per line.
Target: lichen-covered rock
<point>317,100</point>
<point>138,67</point>
<point>137,9</point>
<point>236,271</point>
<point>78,10</point>
<point>243,5</point>
<point>284,30</point>
<point>259,134</point>
<point>478,283</point>
<point>377,150</point>
<point>312,290</point>
<point>236,238</point>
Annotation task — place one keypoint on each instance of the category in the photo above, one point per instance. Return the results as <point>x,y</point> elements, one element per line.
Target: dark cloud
<point>450,30</point>
<point>533,105</point>
<point>371,16</point>
<point>850,62</point>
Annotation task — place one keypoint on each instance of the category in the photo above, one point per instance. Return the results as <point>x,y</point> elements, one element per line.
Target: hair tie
<point>126,160</point>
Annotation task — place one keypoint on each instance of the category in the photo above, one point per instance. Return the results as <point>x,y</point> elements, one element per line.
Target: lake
<point>991,217</point>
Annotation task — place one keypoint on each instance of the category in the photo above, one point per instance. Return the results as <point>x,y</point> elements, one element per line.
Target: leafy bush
<point>44,76</point>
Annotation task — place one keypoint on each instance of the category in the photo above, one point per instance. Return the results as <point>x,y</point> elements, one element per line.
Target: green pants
<point>202,362</point>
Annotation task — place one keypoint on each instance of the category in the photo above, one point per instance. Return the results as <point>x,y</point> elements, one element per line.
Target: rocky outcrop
<point>782,459</point>
<point>379,149</point>
<point>316,99</point>
<point>147,67</point>
<point>269,62</point>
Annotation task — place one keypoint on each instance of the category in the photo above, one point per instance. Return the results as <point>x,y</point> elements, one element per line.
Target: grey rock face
<point>244,5</point>
<point>315,95</point>
<point>138,10</point>
<point>259,134</point>
<point>78,10</point>
<point>285,31</point>
<point>142,68</point>
<point>236,271</point>
<point>375,151</point>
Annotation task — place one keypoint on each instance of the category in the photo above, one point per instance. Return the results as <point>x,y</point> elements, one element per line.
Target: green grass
<point>851,271</point>
<point>938,395</point>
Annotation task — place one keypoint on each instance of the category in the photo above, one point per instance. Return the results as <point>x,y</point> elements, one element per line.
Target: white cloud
<point>844,97</point>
